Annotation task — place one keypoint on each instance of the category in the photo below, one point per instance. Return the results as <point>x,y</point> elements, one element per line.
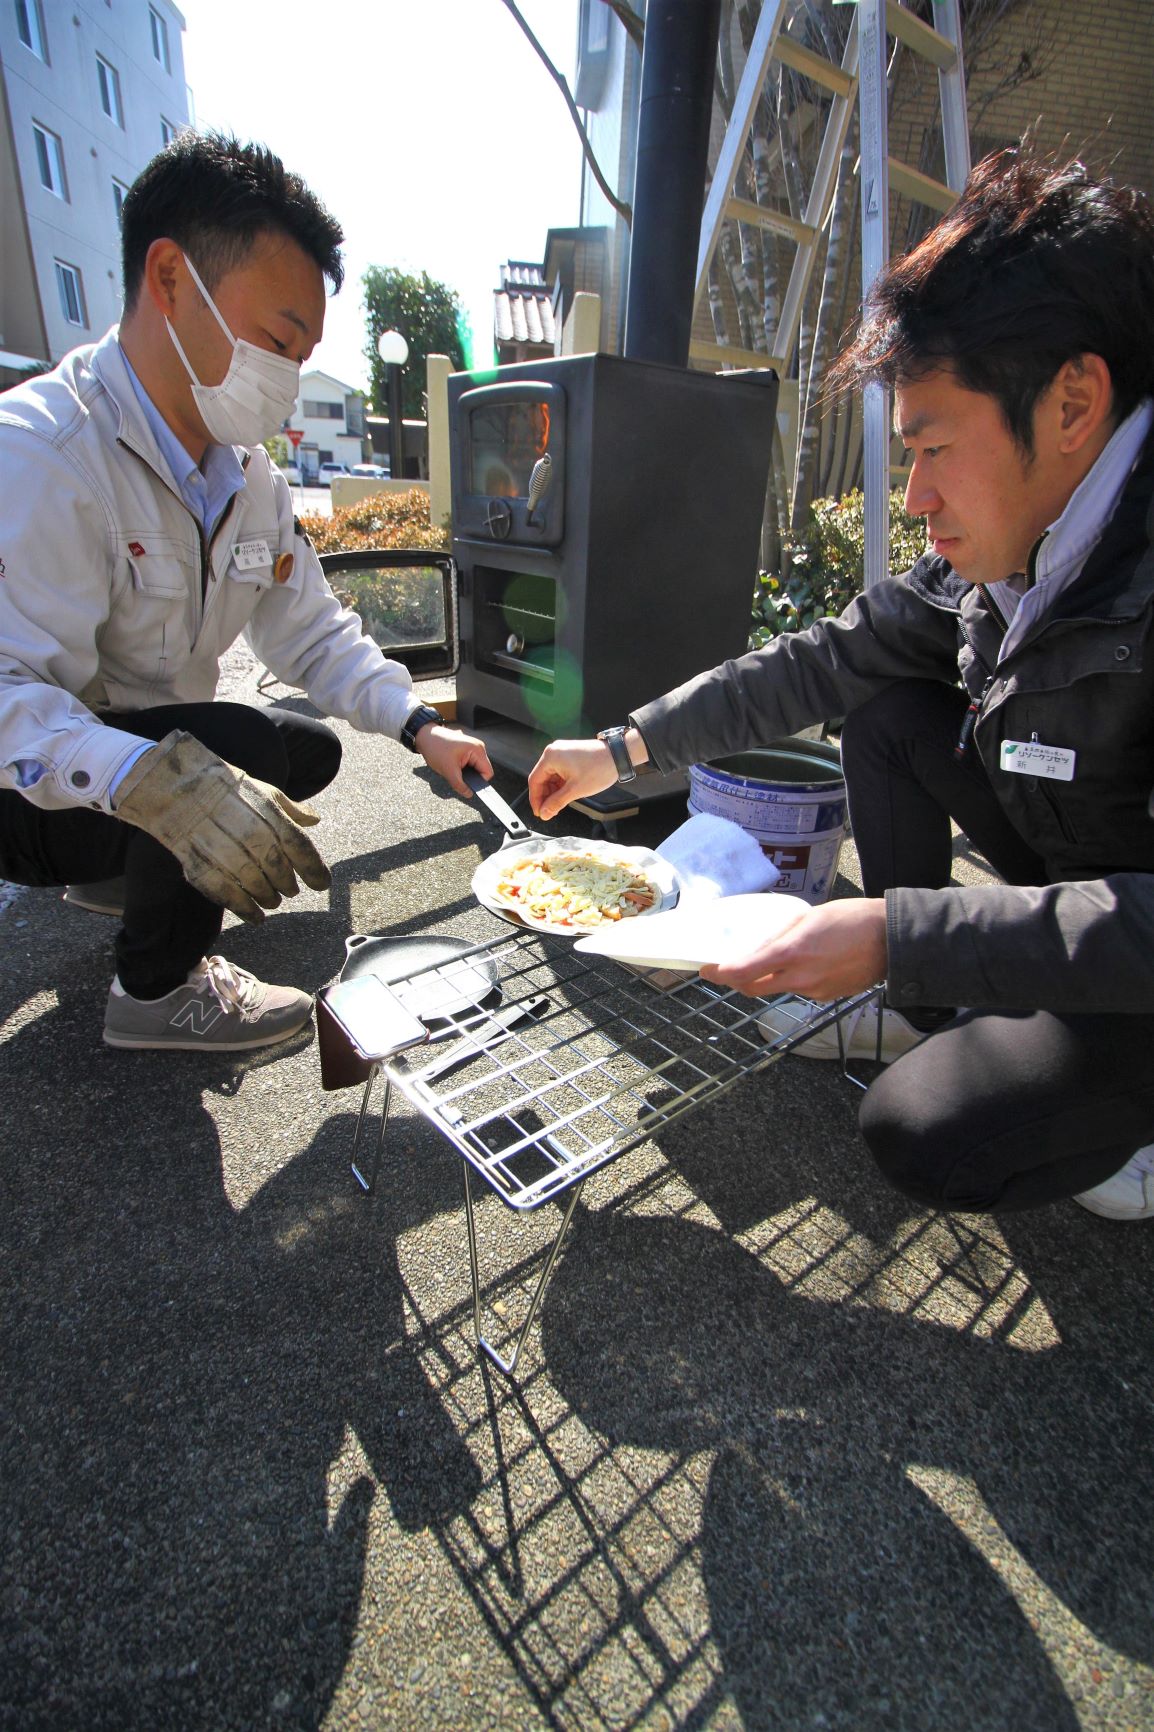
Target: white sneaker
<point>1129,1195</point>
<point>859,1030</point>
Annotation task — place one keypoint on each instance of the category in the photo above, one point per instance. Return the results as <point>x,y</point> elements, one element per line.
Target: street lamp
<point>394,352</point>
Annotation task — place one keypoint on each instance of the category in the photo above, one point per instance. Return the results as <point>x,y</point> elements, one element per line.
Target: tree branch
<point>623,210</point>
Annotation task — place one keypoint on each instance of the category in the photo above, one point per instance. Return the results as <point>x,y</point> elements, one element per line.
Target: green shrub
<point>823,568</point>
<point>382,520</point>
<point>397,607</point>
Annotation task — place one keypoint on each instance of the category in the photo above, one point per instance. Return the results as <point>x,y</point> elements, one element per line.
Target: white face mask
<point>257,394</point>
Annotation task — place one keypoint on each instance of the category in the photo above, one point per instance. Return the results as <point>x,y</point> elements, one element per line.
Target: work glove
<point>238,840</point>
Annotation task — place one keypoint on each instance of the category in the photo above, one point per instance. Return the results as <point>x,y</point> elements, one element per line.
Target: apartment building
<point>331,418</point>
<point>89,92</point>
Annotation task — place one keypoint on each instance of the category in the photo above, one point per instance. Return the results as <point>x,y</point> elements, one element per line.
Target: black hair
<point>215,197</point>
<point>1037,263</point>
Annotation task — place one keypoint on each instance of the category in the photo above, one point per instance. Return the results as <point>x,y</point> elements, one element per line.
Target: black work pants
<point>168,926</point>
<point>996,1110</point>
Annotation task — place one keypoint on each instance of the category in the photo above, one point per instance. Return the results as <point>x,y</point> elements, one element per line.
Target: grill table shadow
<point>610,1056</point>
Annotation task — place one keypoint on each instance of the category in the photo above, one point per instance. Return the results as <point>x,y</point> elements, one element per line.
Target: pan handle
<point>501,809</point>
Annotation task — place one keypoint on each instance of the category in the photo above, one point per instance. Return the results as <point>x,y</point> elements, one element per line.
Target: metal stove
<point>606,517</point>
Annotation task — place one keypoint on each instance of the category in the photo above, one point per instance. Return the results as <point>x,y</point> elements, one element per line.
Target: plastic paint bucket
<point>790,796</point>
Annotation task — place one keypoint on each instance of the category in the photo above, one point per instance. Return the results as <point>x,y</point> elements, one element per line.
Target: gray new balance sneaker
<point>220,1008</point>
<point>104,897</point>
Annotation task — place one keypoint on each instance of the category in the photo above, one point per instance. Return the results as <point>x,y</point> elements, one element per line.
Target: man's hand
<point>569,770</point>
<point>828,952</point>
<point>239,841</point>
<point>448,752</point>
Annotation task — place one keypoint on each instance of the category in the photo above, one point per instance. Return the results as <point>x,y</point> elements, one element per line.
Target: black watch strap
<point>614,738</point>
<point>420,718</point>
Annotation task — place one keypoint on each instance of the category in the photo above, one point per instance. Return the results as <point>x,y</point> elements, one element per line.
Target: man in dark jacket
<point>1019,340</point>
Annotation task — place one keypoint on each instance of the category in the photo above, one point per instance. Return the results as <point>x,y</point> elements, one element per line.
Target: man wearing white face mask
<point>143,529</point>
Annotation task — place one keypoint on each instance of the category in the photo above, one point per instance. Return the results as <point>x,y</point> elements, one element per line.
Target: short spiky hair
<point>1038,262</point>
<point>215,196</point>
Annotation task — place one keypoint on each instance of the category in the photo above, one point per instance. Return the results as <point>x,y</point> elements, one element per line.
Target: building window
<point>71,286</point>
<point>323,411</point>
<point>50,160</point>
<point>592,54</point>
<point>30,24</point>
<point>159,38</point>
<point>109,90</point>
<point>167,130</point>
<point>119,194</point>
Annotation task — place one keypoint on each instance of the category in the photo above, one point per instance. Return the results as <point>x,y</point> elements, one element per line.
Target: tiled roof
<point>519,273</point>
<point>523,305</point>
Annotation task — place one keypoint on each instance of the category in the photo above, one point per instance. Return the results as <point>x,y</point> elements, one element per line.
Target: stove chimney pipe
<point>677,72</point>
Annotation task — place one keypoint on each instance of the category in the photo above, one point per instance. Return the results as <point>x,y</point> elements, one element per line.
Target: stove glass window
<point>505,440</point>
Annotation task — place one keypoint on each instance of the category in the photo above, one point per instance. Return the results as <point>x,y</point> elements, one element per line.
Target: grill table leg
<point>507,1366</point>
<point>369,1185</point>
<point>843,1048</point>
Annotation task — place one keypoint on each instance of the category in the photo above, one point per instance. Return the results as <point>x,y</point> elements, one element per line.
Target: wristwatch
<point>420,718</point>
<point>614,738</point>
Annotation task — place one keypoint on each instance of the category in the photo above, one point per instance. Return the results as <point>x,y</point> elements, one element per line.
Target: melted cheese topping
<point>572,890</point>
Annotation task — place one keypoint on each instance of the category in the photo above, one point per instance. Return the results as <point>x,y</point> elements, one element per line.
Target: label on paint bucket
<point>779,814</point>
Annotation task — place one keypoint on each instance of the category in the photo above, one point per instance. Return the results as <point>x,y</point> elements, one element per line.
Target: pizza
<point>574,891</point>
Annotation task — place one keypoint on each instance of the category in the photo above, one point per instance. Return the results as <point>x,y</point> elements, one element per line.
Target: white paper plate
<point>657,869</point>
<point>688,937</point>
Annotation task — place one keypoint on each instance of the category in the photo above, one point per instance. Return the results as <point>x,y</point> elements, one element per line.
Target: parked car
<point>328,470</point>
<point>291,473</point>
<point>372,471</point>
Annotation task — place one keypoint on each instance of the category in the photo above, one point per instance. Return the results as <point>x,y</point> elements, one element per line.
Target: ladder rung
<point>725,354</point>
<point>922,188</point>
<point>922,38</point>
<point>763,216</point>
<point>812,65</point>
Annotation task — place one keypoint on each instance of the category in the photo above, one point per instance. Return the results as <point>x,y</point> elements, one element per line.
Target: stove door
<point>407,602</point>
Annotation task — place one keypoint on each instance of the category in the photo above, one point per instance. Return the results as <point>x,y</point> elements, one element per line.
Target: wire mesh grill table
<point>608,1057</point>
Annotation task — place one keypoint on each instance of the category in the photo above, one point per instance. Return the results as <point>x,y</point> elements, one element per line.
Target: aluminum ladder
<point>860,77</point>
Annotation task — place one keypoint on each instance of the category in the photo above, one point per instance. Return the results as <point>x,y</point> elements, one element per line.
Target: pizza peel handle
<point>515,829</point>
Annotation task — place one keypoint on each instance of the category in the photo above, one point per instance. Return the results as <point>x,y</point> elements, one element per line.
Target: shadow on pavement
<point>185,1501</point>
<point>841,1591</point>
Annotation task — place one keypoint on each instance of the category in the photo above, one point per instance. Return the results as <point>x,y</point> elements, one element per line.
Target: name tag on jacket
<point>1032,758</point>
<point>250,555</point>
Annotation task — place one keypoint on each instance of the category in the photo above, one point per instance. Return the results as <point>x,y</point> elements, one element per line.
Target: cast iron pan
<point>436,1000</point>
<point>472,986</point>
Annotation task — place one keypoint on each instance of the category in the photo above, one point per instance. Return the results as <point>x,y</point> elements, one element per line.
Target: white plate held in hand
<point>688,937</point>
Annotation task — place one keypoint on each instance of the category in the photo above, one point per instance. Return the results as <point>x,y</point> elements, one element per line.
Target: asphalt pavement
<point>785,1452</point>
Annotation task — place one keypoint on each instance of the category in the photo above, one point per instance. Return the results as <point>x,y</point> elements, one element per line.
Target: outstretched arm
<point>571,770</point>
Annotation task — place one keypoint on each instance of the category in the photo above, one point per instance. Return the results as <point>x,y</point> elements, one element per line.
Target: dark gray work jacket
<point>1083,678</point>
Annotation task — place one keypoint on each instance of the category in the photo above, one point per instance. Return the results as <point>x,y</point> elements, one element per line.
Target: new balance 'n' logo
<point>198,1015</point>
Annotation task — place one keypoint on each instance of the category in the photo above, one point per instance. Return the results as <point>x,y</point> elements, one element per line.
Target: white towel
<point>715,857</point>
